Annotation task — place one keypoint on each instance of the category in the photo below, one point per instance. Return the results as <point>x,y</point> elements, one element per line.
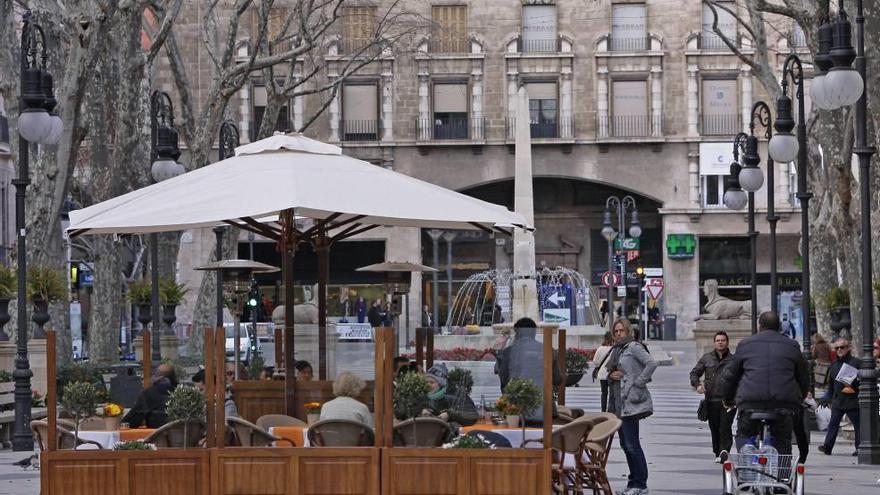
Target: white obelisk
<point>524,296</point>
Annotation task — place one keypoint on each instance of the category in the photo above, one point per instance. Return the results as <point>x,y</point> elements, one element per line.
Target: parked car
<point>248,345</point>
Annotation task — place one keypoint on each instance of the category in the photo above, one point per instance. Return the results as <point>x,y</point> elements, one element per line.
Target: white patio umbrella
<point>290,173</point>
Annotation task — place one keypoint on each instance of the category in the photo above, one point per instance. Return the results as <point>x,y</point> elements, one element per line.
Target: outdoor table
<point>296,434</point>
<point>109,438</point>
<point>515,436</point>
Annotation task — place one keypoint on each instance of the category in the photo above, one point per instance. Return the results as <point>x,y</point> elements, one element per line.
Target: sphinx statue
<point>305,313</point>
<point>722,308</point>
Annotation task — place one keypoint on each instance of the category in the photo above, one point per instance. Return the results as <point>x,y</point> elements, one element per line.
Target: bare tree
<point>834,212</point>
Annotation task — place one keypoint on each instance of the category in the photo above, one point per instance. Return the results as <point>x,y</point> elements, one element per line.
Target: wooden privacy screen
<point>254,398</point>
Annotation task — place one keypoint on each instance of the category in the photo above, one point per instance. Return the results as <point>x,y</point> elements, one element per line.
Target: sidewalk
<point>15,480</point>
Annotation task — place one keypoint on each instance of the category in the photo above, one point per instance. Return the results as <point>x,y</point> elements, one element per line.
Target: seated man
<point>229,404</point>
<point>149,409</point>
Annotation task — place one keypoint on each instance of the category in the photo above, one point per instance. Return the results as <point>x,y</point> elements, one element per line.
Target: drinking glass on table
<point>124,426</point>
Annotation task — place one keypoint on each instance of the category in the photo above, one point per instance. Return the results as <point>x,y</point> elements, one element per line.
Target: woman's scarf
<point>616,351</point>
<point>439,394</point>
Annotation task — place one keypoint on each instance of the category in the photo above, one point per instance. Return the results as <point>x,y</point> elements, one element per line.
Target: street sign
<point>654,286</point>
<point>610,279</point>
<point>627,244</point>
<point>653,272</point>
<point>621,291</point>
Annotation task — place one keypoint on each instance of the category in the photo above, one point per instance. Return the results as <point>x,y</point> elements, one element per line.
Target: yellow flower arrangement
<point>313,407</point>
<point>112,410</point>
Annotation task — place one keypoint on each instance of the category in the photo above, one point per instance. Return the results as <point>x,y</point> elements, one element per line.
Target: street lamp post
<point>164,152</point>
<point>229,140</point>
<point>635,230</point>
<point>784,147</point>
<point>761,114</point>
<point>736,199</point>
<point>841,86</point>
<point>35,125</point>
<point>435,235</point>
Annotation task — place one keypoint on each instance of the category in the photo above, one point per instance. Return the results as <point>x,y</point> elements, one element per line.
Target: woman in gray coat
<point>630,368</point>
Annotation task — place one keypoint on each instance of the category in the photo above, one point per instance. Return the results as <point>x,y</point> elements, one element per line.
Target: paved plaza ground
<point>677,445</point>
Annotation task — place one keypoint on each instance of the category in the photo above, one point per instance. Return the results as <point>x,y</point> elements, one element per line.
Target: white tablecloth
<point>107,439</point>
<point>515,437</point>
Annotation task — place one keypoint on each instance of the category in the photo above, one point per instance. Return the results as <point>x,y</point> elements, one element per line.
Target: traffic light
<point>640,271</point>
<point>253,296</point>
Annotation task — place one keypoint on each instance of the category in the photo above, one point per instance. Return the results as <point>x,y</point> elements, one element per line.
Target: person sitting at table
<point>347,388</point>
<point>524,359</point>
<point>447,403</point>
<point>149,409</point>
<point>304,371</point>
<point>229,406</point>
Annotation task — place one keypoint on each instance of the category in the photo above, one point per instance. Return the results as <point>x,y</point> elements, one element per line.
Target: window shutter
<point>719,97</point>
<point>538,23</point>
<point>360,102</point>
<point>450,98</point>
<point>628,21</point>
<point>541,91</point>
<point>630,98</point>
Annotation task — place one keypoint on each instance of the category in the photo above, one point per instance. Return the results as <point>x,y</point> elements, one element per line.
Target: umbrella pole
<point>289,361</point>
<point>322,246</point>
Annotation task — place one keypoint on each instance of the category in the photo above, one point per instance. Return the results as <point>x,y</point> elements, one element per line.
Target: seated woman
<point>346,388</point>
<point>447,403</point>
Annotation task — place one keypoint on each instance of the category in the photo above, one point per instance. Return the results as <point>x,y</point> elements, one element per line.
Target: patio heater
<point>237,276</point>
<point>397,280</point>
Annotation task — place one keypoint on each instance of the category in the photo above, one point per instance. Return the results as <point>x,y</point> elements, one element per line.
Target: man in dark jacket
<point>149,409</point>
<point>720,419</point>
<point>843,397</point>
<point>523,359</point>
<point>767,374</point>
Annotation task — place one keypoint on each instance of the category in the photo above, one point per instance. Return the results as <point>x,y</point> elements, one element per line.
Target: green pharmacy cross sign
<point>680,246</point>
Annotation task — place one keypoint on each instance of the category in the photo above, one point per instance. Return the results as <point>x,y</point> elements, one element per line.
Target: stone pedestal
<point>37,359</point>
<point>7,356</point>
<point>704,333</point>
<point>168,345</point>
<point>138,346</point>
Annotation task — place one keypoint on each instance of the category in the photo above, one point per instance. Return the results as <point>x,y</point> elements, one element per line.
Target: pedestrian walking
<point>720,417</point>
<point>842,395</point>
<point>768,374</point>
<point>599,370</point>
<point>786,328</point>
<point>630,368</point>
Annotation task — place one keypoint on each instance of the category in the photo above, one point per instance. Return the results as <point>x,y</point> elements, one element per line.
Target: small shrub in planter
<point>525,396</point>
<point>133,445</point>
<point>186,404</point>
<point>837,297</point>
<point>460,381</point>
<point>140,292</point>
<point>80,401</point>
<point>81,372</point>
<point>45,284</point>
<point>8,282</point>
<point>467,442</point>
<point>410,396</point>
<point>171,293</point>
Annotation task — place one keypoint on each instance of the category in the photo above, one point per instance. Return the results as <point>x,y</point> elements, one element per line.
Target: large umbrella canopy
<point>290,173</point>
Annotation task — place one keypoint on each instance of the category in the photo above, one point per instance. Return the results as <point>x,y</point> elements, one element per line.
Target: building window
<point>628,30</point>
<point>260,99</point>
<point>720,114</point>
<point>543,109</point>
<point>714,187</point>
<point>450,111</point>
<point>275,21</point>
<point>629,109</point>
<point>450,29</point>
<point>358,28</point>
<point>360,112</point>
<point>539,28</point>
<point>709,40</point>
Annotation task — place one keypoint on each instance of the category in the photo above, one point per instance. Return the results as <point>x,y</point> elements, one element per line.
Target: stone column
<point>477,100</point>
<point>423,126</point>
<point>693,101</point>
<point>298,108</point>
<point>335,115</point>
<point>602,103</point>
<point>512,87</point>
<point>566,106</point>
<point>746,82</point>
<point>693,175</point>
<point>657,99</point>
<point>387,83</point>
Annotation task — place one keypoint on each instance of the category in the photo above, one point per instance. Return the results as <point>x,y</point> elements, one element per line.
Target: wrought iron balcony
<point>359,130</point>
<point>462,129</point>
<point>561,127</point>
<point>449,45</point>
<point>539,46</point>
<point>629,126</point>
<point>620,44</point>
<point>720,125</point>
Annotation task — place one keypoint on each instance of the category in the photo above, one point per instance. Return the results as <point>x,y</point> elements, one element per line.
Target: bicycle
<point>761,470</point>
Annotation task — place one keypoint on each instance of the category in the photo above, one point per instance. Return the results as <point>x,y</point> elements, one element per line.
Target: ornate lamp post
<point>635,230</point>
<point>229,140</point>
<point>736,199</point>
<point>164,152</point>
<point>35,126</point>
<point>751,159</point>
<point>784,148</point>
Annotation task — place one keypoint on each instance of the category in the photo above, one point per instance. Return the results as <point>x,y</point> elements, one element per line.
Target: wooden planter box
<point>409,471</point>
<point>91,472</point>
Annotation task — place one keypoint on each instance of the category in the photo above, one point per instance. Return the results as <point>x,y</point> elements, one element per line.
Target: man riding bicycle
<point>768,374</point>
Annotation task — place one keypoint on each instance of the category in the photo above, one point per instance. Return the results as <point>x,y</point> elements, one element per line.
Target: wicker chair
<point>568,440</point>
<point>340,433</point>
<point>248,434</point>
<point>267,421</point>
<point>66,438</point>
<point>421,432</point>
<point>174,435</point>
<point>591,471</point>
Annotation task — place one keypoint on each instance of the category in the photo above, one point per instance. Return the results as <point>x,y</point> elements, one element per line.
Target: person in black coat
<point>720,418</point>
<point>149,409</point>
<point>374,315</point>
<point>843,398</point>
<point>767,374</point>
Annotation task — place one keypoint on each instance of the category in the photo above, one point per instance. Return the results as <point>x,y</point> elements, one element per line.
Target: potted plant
<point>576,364</point>
<point>410,396</point>
<point>133,445</point>
<point>187,405</point>
<point>8,288</point>
<point>140,293</point>
<point>170,294</point>
<point>80,400</point>
<point>467,442</point>
<point>836,302</point>
<point>112,414</point>
<point>44,284</point>
<point>523,395</point>
<point>313,412</point>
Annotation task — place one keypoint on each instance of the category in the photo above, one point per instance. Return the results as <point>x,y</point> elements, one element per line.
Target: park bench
<point>7,417</point>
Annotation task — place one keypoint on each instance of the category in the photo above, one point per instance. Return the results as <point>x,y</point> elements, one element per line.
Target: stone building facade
<point>626,97</point>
